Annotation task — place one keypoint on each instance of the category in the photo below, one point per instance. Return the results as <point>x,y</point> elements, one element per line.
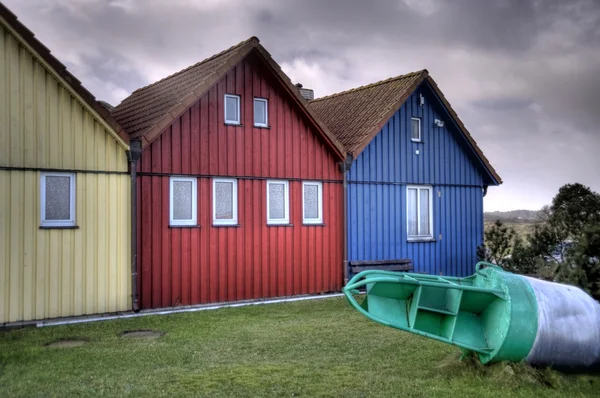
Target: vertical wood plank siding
<point>181,266</point>
<point>56,273</point>
<point>377,193</point>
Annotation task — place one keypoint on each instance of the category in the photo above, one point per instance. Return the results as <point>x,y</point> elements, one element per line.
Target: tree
<point>582,266</point>
<point>574,207</point>
<point>498,241</point>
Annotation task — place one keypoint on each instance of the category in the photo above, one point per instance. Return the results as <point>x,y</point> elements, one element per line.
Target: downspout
<point>133,156</point>
<point>345,166</point>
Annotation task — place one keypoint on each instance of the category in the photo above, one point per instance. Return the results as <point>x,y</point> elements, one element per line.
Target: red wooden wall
<point>182,265</point>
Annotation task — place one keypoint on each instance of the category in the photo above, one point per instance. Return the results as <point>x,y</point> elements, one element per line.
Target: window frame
<point>234,201</point>
<point>419,237</point>
<point>266,101</point>
<point>194,220</point>
<point>420,139</point>
<point>239,110</point>
<point>318,220</point>
<point>72,201</point>
<point>286,205</point>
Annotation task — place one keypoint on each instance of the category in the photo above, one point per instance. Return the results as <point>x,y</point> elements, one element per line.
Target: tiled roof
<point>147,106</point>
<point>357,115</point>
<point>149,110</point>
<point>353,115</point>
<point>61,70</point>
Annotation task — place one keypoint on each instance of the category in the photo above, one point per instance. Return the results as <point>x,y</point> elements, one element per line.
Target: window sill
<point>280,225</point>
<point>226,225</point>
<point>418,240</point>
<point>317,224</point>
<point>262,127</point>
<point>59,226</point>
<point>185,226</point>
<point>234,124</point>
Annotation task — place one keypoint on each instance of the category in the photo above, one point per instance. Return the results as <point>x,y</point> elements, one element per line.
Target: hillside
<point>512,216</point>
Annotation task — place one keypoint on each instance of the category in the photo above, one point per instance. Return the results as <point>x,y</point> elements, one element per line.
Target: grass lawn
<point>313,348</point>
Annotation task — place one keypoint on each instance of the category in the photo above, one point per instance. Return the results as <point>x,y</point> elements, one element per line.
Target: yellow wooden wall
<point>45,125</point>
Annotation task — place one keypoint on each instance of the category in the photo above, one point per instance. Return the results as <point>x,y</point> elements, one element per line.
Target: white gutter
<point>177,310</point>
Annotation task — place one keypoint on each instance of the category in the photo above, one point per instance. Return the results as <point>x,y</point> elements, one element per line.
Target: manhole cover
<point>66,344</point>
<point>142,334</point>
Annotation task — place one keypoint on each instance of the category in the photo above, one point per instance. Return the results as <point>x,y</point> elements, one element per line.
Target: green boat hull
<point>491,313</point>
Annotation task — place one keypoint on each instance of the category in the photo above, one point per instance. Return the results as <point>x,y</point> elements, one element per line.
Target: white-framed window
<point>312,202</point>
<point>415,129</point>
<point>232,109</point>
<point>419,212</point>
<point>57,199</point>
<point>225,200</point>
<point>261,112</point>
<point>278,202</point>
<point>183,201</point>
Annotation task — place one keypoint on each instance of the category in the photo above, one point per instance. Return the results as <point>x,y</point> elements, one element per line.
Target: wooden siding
<point>182,266</point>
<point>377,227</point>
<point>442,159</point>
<point>378,231</point>
<point>199,142</point>
<point>64,272</point>
<point>211,264</point>
<point>44,125</point>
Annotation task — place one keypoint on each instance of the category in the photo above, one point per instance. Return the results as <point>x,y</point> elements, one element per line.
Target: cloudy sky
<point>524,75</point>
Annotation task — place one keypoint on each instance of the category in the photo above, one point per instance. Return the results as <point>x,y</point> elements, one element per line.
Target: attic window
<point>260,112</point>
<point>232,109</point>
<point>416,129</point>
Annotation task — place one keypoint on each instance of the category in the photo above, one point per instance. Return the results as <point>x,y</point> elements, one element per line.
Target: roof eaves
<point>61,72</point>
<point>195,93</point>
<point>372,132</point>
<point>328,135</point>
<point>465,132</point>
<point>371,85</point>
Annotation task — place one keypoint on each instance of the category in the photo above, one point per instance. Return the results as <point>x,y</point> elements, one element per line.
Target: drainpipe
<point>133,156</point>
<point>345,166</point>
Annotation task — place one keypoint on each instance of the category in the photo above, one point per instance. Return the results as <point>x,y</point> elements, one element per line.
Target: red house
<point>240,193</point>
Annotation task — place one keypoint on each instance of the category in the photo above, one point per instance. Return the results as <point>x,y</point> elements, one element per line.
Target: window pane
<point>416,129</point>
<point>182,200</point>
<point>276,201</point>
<point>231,109</point>
<point>260,112</point>
<point>58,198</point>
<point>412,211</point>
<point>311,201</point>
<point>224,200</point>
<point>424,212</point>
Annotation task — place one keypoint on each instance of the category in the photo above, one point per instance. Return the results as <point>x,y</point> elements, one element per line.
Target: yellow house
<point>65,222</point>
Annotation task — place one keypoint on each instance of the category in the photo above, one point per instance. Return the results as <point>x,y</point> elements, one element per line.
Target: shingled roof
<point>149,110</point>
<point>357,115</point>
<point>61,71</point>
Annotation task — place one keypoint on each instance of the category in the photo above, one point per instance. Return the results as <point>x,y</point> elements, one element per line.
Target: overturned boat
<point>498,315</point>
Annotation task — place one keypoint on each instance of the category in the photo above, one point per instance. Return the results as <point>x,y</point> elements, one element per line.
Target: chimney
<point>307,93</point>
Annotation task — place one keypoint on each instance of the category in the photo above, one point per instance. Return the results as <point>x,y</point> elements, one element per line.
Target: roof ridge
<point>352,90</point>
<point>252,39</point>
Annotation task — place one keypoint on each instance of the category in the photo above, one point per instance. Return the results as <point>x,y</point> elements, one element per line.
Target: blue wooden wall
<point>377,192</point>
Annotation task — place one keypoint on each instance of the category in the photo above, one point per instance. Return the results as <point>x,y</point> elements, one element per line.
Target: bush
<point>582,265</point>
<point>564,246</point>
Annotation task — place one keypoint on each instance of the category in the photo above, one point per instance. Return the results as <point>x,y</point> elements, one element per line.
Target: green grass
<point>308,349</point>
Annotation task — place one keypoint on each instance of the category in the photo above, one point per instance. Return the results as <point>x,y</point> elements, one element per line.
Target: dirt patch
<point>142,334</point>
<point>66,344</point>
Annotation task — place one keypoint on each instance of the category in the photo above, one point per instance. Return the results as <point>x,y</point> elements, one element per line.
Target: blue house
<point>415,178</point>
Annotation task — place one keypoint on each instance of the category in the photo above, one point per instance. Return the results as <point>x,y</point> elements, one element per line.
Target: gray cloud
<point>522,74</point>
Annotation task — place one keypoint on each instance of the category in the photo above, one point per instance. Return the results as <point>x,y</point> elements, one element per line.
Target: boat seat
<point>400,265</point>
